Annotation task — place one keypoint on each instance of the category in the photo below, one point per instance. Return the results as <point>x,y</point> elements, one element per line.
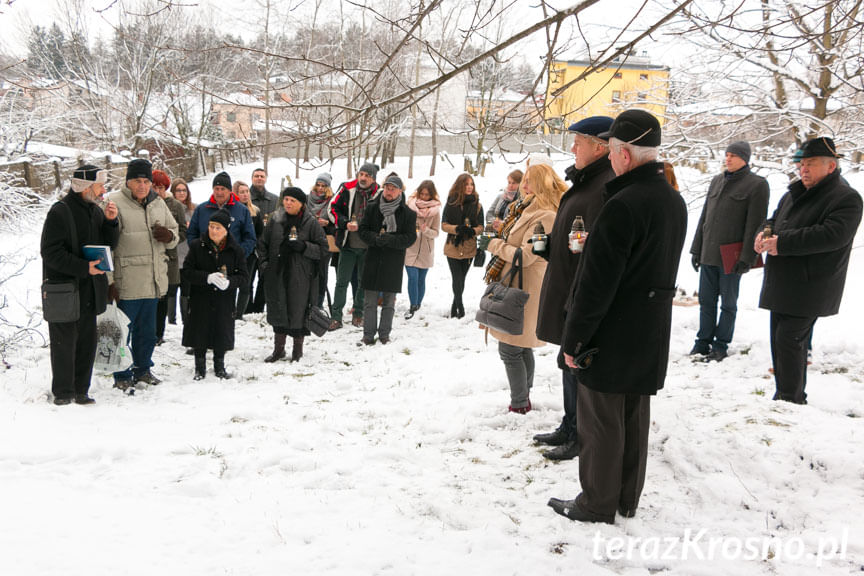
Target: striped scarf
<point>496,264</point>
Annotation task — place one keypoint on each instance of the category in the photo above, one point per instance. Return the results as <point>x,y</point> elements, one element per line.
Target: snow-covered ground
<point>402,459</point>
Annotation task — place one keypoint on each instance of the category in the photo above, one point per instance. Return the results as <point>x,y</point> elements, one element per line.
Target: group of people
<point>600,285</point>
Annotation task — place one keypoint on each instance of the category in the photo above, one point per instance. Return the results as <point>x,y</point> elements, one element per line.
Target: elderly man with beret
<point>808,241</point>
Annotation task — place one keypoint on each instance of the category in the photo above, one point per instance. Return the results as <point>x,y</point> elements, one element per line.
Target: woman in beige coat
<point>541,190</point>
<point>420,256</point>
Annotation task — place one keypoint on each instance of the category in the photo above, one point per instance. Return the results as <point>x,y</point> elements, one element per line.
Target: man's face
<point>586,150</point>
<point>259,178</point>
<point>139,187</point>
<point>364,180</point>
<point>221,194</point>
<point>94,193</point>
<point>391,192</point>
<point>814,170</point>
<point>733,162</point>
<point>620,159</point>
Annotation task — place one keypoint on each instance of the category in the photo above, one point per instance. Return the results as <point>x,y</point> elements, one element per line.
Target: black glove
<point>740,267</point>
<point>295,245</point>
<point>694,260</point>
<point>161,233</point>
<point>113,294</point>
<point>383,240</point>
<point>465,232</point>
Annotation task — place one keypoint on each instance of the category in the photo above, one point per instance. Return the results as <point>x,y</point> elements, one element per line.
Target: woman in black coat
<point>212,272</point>
<point>289,252</point>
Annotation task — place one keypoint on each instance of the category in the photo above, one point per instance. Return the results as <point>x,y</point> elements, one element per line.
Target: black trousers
<point>613,450</point>
<point>162,308</point>
<point>570,386</point>
<point>790,336</point>
<point>73,351</point>
<point>458,271</point>
<point>256,303</point>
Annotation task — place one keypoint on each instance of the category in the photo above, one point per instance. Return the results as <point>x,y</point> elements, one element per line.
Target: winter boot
<point>219,367</point>
<point>200,366</point>
<point>297,352</point>
<point>278,348</point>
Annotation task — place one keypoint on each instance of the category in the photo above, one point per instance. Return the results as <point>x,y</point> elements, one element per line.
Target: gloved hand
<point>740,267</point>
<point>465,232</point>
<point>161,233</point>
<point>483,242</point>
<point>214,279</point>
<point>295,245</point>
<point>382,240</point>
<point>222,283</point>
<point>694,260</point>
<point>113,294</point>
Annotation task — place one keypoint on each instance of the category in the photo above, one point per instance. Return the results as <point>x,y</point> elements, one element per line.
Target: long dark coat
<point>210,324</point>
<point>622,305</point>
<point>63,261</point>
<point>291,278</point>
<point>584,198</point>
<point>815,229</point>
<point>382,270</point>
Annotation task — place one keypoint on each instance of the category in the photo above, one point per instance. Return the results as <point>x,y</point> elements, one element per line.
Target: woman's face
<point>527,190</point>
<point>243,194</point>
<point>424,194</point>
<point>217,232</point>
<point>291,205</point>
<point>512,185</point>
<point>469,187</point>
<point>181,193</point>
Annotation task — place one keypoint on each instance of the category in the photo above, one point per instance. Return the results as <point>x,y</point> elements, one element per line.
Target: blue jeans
<point>714,284</point>
<point>416,285</point>
<point>142,335</point>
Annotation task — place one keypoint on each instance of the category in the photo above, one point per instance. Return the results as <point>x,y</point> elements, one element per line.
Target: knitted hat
<point>395,181</point>
<point>139,168</point>
<point>370,168</point>
<point>592,126</point>
<point>295,193</point>
<point>740,149</point>
<point>85,176</point>
<point>325,178</point>
<point>222,217</point>
<point>222,179</point>
<point>160,178</point>
<point>636,127</point>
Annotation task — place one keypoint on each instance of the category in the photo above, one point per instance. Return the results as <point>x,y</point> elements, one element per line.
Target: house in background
<point>628,82</point>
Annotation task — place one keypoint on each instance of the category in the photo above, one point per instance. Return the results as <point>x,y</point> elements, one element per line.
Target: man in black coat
<point>388,228</point>
<point>73,344</point>
<point>589,174</point>
<point>808,253</point>
<point>734,209</point>
<point>616,336</point>
<point>266,202</point>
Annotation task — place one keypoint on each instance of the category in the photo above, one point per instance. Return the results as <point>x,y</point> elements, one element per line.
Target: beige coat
<point>140,261</point>
<point>533,269</point>
<point>421,254</point>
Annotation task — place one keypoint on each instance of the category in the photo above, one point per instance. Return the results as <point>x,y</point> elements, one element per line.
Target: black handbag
<point>60,299</point>
<point>480,258</point>
<point>317,319</point>
<point>502,306</point>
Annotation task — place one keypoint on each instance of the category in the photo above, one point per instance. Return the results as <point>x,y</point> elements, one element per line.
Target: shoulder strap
<point>72,229</point>
<point>516,268</point>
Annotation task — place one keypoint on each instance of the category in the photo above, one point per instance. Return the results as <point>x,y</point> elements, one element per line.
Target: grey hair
<point>639,154</point>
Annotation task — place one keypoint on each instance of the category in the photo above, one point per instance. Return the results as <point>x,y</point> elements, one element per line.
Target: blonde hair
<point>253,210</point>
<point>546,185</point>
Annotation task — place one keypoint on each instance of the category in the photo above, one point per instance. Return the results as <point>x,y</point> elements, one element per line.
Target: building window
<point>642,96</point>
<point>643,76</point>
<point>618,75</point>
<point>616,96</point>
<point>231,117</point>
<point>214,117</point>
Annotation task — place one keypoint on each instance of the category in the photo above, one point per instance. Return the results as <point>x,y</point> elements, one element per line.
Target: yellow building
<point>631,82</point>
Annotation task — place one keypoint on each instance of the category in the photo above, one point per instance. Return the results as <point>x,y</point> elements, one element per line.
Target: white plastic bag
<point>112,332</point>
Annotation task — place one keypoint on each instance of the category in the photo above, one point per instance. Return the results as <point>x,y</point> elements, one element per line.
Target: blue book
<point>101,253</point>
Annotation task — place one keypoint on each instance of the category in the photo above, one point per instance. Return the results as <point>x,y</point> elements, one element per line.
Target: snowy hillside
<point>402,459</point>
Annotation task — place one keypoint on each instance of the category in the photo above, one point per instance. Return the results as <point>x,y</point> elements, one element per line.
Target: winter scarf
<point>424,208</point>
<point>317,204</point>
<point>360,200</point>
<point>496,264</point>
<point>388,210</point>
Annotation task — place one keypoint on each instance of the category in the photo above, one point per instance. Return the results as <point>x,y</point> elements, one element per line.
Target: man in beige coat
<point>140,278</point>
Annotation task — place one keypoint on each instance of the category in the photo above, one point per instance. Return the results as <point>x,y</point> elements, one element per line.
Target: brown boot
<point>278,348</point>
<point>297,352</point>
